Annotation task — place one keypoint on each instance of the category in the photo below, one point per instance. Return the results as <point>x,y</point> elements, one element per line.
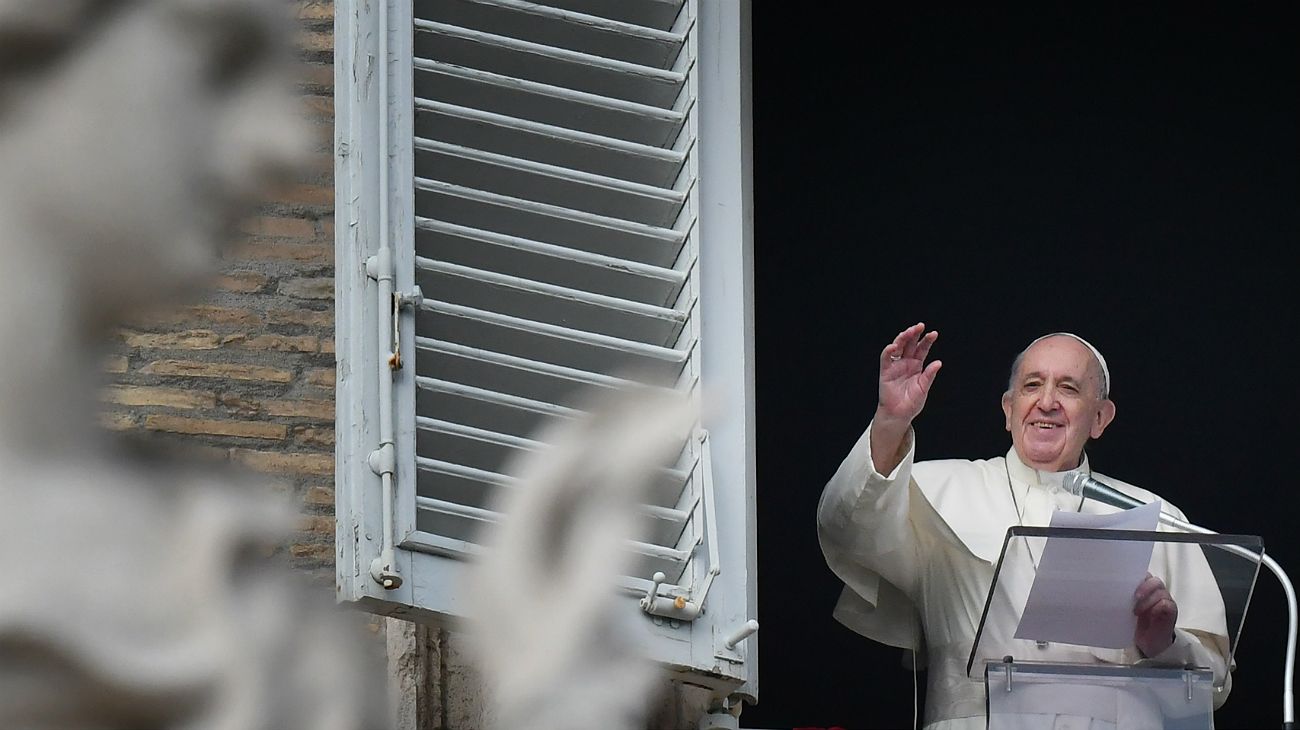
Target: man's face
<point>1054,406</point>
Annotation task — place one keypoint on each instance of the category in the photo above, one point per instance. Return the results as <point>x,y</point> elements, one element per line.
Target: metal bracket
<point>687,608</point>
<point>380,266</point>
<point>381,569</point>
<point>409,300</point>
<point>382,460</point>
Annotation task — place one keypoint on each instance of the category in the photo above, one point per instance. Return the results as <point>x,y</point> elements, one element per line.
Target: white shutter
<point>548,166</point>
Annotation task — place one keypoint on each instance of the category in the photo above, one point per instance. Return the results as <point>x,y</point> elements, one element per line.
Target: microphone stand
<point>1288,672</point>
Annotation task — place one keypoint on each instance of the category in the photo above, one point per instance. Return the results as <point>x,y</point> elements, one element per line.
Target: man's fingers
<point>888,355</point>
<point>905,345</point>
<point>912,342</point>
<point>906,340</point>
<point>908,336</point>
<point>1163,609</point>
<point>1148,593</point>
<point>923,346</point>
<point>927,375</point>
<point>1150,604</point>
<point>1148,585</point>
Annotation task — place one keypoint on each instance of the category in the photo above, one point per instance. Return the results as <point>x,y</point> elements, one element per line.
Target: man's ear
<point>1006,409</point>
<point>1105,414</point>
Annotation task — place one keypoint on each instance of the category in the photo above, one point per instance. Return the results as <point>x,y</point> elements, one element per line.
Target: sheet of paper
<point>1083,589</point>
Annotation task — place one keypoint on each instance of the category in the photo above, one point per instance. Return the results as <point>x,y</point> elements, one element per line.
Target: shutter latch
<point>410,300</point>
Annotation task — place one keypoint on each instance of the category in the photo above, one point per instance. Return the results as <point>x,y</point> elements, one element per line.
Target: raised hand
<point>1157,612</point>
<point>905,379</point>
<point>904,385</point>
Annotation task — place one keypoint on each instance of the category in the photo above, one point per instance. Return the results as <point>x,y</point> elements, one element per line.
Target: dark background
<point>1128,174</point>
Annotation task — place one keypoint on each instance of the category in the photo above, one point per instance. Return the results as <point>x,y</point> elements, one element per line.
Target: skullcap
<point>1105,371</point>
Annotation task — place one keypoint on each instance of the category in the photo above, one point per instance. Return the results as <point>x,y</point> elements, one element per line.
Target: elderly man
<point>916,543</point>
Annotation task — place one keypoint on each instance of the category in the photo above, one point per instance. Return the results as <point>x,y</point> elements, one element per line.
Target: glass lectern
<point>1053,644</point>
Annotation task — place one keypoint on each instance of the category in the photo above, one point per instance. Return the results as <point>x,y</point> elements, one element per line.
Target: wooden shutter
<point>542,209</point>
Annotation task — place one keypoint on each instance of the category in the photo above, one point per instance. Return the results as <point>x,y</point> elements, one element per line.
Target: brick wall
<point>246,372</point>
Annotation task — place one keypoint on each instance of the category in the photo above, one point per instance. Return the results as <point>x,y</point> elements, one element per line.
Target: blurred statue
<point>557,649</point>
<point>136,592</point>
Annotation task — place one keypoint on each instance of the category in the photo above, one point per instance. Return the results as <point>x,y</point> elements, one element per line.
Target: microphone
<point>1083,485</point>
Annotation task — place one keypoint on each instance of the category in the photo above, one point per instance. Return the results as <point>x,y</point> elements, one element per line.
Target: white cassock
<point>916,549</point>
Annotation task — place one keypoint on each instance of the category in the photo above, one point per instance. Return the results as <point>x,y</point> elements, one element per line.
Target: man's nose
<point>1047,399</point>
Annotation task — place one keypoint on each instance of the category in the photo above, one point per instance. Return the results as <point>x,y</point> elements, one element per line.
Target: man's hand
<point>904,384</point>
<point>1156,613</point>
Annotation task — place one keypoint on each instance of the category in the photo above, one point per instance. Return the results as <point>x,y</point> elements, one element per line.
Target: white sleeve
<point>863,525</point>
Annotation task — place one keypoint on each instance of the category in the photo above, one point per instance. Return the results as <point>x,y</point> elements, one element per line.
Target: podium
<point>1053,650</point>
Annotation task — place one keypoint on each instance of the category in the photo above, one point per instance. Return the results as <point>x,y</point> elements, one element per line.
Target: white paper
<point>1083,589</point>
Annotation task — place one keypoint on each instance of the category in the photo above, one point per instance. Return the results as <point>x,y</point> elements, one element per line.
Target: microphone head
<point>1074,482</point>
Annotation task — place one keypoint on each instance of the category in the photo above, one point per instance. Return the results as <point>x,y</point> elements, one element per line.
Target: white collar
<point>1029,475</point>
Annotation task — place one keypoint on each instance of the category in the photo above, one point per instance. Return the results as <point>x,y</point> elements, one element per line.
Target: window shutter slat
<point>567,188</point>
<point>547,103</point>
<point>661,14</point>
<point>540,296</point>
<point>526,60</point>
<point>558,264</point>
<point>596,153</point>
<point>555,26</point>
<point>572,375</point>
